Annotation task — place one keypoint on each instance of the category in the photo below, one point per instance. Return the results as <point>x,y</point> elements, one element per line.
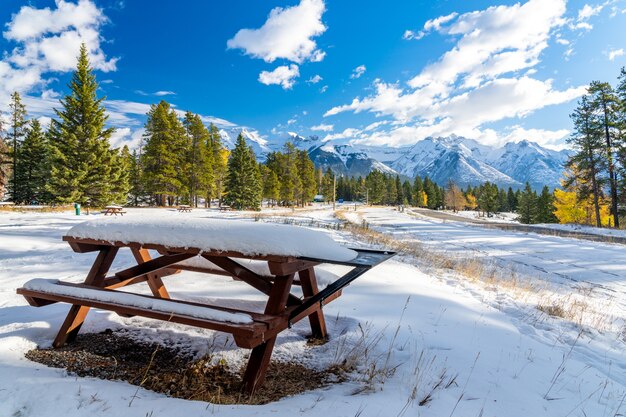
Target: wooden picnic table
<point>257,331</point>
<point>184,208</point>
<point>113,210</point>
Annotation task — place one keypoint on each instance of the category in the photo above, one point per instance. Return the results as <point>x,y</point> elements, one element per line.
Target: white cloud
<point>348,133</point>
<point>614,53</point>
<point>291,121</point>
<point>485,77</point>
<point>286,34</point>
<point>284,76</point>
<point>323,128</point>
<point>314,79</point>
<point>548,138</point>
<point>48,40</point>
<point>323,89</point>
<point>430,25</point>
<point>587,11</point>
<point>358,71</point>
<point>156,93</point>
<point>410,35</point>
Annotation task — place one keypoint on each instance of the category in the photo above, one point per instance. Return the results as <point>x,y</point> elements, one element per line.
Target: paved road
<point>519,227</point>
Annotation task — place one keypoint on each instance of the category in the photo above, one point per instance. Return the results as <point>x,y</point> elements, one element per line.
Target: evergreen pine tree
<point>527,206</point>
<point>588,160</point>
<point>399,192</point>
<point>306,173</point>
<point>34,170</point>
<point>545,207</point>
<point>511,200</point>
<point>220,165</point>
<point>81,158</point>
<point>488,198</point>
<point>605,103</point>
<point>121,163</point>
<point>243,182</point>
<point>418,192</point>
<point>271,186</point>
<point>430,189</point>
<point>161,158</point>
<point>17,130</point>
<point>328,182</point>
<point>135,181</point>
<point>199,158</point>
<point>5,162</point>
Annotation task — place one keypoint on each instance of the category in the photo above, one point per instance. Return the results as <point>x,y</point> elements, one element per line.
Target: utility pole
<point>334,190</point>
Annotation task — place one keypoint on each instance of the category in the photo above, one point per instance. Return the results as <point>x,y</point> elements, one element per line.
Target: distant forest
<point>182,161</point>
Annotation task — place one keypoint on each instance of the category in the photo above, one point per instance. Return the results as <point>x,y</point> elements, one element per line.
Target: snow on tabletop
<point>51,286</point>
<point>247,238</point>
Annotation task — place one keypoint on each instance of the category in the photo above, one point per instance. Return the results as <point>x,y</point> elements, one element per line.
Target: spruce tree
<point>527,207</point>
<point>430,189</point>
<point>418,192</point>
<point>161,158</point>
<point>5,162</point>
<point>545,207</point>
<point>34,169</point>
<point>243,182</point>
<point>219,163</point>
<point>588,160</point>
<point>199,158</point>
<point>271,186</point>
<point>306,174</point>
<point>488,198</point>
<point>17,131</point>
<point>135,181</point>
<point>121,163</point>
<point>511,200</point>
<point>81,158</point>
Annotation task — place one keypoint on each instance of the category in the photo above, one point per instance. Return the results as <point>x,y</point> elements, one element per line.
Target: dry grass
<point>42,209</point>
<point>576,306</point>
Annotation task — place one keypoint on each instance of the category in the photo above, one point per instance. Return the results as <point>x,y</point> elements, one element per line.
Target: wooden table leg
<point>154,278</point>
<point>309,288</point>
<point>261,355</point>
<point>77,313</point>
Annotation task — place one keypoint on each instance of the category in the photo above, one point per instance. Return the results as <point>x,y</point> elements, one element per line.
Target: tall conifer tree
<point>81,158</point>
<point>243,182</point>
<point>17,131</point>
<point>34,168</point>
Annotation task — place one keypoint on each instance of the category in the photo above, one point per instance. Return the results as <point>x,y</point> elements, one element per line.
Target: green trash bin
<point>77,208</point>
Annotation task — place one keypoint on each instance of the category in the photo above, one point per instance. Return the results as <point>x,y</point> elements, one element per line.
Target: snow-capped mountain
<point>259,145</point>
<point>459,159</point>
<point>346,160</point>
<point>463,160</point>
<point>528,162</point>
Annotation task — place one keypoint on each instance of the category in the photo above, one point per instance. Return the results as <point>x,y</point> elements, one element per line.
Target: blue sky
<point>386,73</point>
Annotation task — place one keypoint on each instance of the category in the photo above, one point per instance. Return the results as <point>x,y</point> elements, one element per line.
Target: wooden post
<point>261,355</point>
<point>76,316</point>
<point>309,288</point>
<point>154,278</point>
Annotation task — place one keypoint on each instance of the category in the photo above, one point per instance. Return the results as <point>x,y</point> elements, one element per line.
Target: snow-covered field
<point>474,348</point>
<point>504,217</point>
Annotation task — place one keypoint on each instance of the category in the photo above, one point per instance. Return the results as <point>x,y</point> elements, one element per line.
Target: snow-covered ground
<point>475,349</point>
<point>586,229</point>
<point>504,217</point>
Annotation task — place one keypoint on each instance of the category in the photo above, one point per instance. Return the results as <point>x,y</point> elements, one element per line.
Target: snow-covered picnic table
<point>267,257</point>
<point>113,210</point>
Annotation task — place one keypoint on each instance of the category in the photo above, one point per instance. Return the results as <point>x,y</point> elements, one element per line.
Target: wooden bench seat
<point>248,328</point>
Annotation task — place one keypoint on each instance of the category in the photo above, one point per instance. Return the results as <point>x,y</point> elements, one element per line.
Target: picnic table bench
<point>267,257</point>
<point>184,208</point>
<point>113,210</point>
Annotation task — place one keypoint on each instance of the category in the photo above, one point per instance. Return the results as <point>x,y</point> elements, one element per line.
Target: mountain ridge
<point>464,160</point>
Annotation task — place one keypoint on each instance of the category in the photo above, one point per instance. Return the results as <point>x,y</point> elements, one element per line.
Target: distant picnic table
<point>270,258</point>
<point>113,211</point>
<point>184,208</point>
